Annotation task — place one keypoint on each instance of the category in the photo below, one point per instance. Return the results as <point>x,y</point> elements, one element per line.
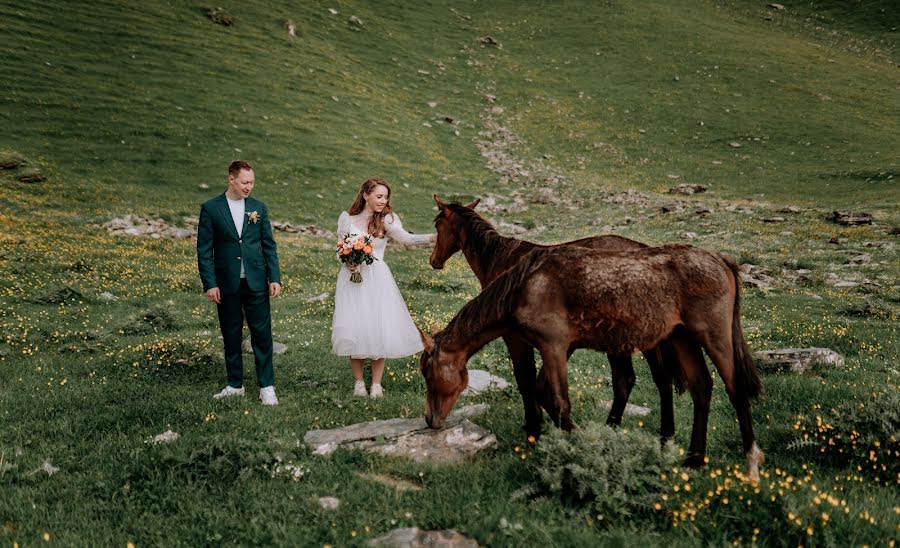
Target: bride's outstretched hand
<point>352,267</point>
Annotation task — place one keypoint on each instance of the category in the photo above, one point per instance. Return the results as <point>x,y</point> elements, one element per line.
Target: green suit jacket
<point>220,250</point>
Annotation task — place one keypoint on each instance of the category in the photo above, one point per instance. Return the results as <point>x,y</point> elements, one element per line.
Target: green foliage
<point>862,437</point>
<point>611,475</point>
<point>155,319</point>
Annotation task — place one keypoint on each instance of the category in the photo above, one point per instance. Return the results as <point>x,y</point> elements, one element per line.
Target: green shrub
<point>611,475</point>
<point>861,436</point>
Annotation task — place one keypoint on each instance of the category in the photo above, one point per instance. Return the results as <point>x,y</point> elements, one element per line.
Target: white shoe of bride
<point>376,391</point>
<point>359,389</point>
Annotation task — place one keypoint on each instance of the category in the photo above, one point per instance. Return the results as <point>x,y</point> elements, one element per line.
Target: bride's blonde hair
<point>376,223</point>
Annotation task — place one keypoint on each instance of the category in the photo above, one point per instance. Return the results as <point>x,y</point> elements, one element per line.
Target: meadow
<point>106,340</point>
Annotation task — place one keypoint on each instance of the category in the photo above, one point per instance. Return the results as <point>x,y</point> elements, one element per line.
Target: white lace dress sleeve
<point>397,233</point>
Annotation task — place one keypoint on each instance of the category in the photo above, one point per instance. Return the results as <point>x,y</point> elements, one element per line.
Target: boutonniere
<point>253,217</point>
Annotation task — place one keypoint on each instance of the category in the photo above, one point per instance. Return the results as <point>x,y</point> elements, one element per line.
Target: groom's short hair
<point>235,167</point>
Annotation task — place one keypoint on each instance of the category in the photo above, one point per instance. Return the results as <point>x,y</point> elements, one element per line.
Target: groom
<point>238,265</point>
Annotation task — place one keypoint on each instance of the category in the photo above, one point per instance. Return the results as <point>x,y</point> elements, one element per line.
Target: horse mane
<point>495,303</point>
<point>489,246</point>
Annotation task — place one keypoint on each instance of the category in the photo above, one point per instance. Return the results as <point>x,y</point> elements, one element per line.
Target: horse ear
<point>440,203</point>
<point>473,204</point>
<point>427,341</point>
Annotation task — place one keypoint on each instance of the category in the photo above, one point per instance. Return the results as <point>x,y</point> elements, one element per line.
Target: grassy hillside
<point>106,341</point>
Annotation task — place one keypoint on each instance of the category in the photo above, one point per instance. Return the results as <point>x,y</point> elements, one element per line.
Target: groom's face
<point>242,183</point>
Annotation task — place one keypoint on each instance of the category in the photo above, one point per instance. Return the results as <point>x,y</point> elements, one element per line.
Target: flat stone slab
<point>277,347</point>
<point>637,410</point>
<point>481,381</point>
<point>796,360</point>
<point>410,438</point>
<point>413,537</point>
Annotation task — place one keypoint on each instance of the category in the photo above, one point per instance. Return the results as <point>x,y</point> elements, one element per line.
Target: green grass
<point>130,109</point>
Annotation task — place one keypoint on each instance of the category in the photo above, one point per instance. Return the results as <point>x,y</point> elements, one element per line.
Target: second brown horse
<point>616,303</point>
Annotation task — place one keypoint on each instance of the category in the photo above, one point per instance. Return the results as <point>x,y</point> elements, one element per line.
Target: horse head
<point>448,233</point>
<point>445,375</point>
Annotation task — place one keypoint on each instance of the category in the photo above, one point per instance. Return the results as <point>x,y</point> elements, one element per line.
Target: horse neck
<point>480,321</point>
<point>505,253</point>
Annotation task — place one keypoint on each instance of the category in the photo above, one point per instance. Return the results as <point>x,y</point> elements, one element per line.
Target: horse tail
<point>746,372</point>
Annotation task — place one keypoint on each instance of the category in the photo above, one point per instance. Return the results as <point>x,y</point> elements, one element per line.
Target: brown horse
<point>489,254</point>
<point>616,303</point>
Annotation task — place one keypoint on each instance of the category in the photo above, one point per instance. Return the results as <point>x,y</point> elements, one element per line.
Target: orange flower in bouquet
<point>357,250</point>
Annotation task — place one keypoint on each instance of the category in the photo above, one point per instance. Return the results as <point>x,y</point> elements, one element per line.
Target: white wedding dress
<point>370,318</point>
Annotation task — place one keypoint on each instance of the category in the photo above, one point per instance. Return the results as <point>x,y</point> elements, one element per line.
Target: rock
<point>411,438</point>
<point>166,437</point>
<point>777,7</point>
<point>329,503</point>
<point>544,195</point>
<point>277,347</point>
<point>31,175</point>
<point>489,99</point>
<point>774,220</point>
<point>837,241</point>
<point>796,360</point>
<point>790,209</point>
<point>10,160</point>
<point>629,196</point>
<point>849,218</point>
<point>637,410</point>
<point>203,186</point>
<point>489,41</point>
<point>399,485</point>
<point>688,235</point>
<point>675,207</point>
<point>310,230</point>
<point>862,258</point>
<point>755,276</point>
<point>354,20</point>
<point>702,211</point>
<point>107,296</point>
<point>219,17</point>
<point>413,537</point>
<point>482,381</point>
<point>735,144</point>
<point>685,188</point>
<point>134,225</point>
<point>321,297</point>
<point>834,280</point>
<point>290,27</point>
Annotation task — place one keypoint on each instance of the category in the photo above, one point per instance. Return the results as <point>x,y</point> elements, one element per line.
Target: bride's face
<point>377,198</point>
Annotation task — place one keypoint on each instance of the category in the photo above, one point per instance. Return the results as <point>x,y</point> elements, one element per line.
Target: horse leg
<point>660,360</point>
<point>699,382</point>
<point>522,355</point>
<point>720,351</point>
<point>555,374</point>
<point>622,382</point>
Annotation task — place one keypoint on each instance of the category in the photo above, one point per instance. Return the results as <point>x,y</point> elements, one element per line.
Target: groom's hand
<point>214,295</point>
<point>274,289</point>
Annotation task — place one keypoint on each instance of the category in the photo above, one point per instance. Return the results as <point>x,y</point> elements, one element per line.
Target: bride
<point>371,320</point>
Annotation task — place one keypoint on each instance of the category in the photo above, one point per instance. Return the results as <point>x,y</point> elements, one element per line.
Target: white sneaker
<point>229,391</point>
<point>359,389</point>
<point>376,391</point>
<point>267,396</point>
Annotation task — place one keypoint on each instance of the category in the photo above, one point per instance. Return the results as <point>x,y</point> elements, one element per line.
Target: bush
<point>863,436</point>
<point>612,475</point>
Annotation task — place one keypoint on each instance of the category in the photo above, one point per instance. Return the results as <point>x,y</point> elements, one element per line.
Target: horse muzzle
<point>433,421</point>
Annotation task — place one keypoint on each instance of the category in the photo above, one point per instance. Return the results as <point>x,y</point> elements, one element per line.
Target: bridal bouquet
<point>355,249</point>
